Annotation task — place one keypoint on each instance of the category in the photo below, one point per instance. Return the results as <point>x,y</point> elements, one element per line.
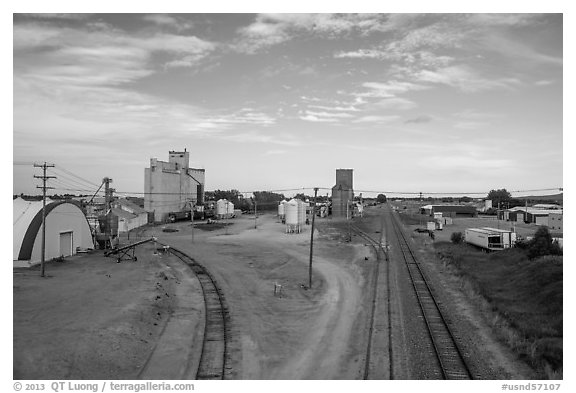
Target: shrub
<point>457,237</point>
<point>542,244</point>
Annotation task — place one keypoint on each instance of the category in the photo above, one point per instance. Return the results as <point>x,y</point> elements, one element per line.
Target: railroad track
<point>446,350</point>
<point>214,355</point>
<point>381,257</point>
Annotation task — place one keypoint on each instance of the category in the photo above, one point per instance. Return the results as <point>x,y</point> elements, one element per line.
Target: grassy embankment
<point>520,298</point>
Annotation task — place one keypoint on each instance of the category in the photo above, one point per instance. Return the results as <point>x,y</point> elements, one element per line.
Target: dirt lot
<point>304,333</point>
<point>92,318</point>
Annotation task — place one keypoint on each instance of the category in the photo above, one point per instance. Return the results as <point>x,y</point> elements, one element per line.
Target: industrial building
<point>172,186</point>
<point>449,210</point>
<point>343,193</point>
<point>67,230</point>
<point>130,215</point>
<point>532,215</point>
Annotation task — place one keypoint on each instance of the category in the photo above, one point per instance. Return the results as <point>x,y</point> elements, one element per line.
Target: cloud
<point>377,119</point>
<point>317,119</point>
<point>419,119</point>
<point>465,79</point>
<point>104,49</point>
<point>390,89</point>
<point>544,82</point>
<point>165,20</point>
<point>398,103</point>
<point>273,29</point>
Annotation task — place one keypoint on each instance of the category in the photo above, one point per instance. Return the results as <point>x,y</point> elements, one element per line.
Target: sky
<point>432,103</point>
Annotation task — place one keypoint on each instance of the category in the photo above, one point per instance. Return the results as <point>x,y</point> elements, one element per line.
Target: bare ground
<point>95,319</point>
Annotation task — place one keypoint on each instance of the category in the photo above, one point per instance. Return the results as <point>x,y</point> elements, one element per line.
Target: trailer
<point>490,239</point>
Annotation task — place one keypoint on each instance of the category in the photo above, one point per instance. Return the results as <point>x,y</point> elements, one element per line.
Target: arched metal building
<point>66,230</point>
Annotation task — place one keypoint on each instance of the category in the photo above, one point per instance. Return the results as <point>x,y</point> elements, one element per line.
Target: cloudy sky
<point>412,102</point>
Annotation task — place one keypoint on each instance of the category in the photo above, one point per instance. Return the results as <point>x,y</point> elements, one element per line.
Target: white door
<point>66,244</point>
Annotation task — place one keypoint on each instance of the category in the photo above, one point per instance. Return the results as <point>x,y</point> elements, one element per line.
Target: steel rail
<point>214,354</point>
<point>451,361</point>
<point>377,246</point>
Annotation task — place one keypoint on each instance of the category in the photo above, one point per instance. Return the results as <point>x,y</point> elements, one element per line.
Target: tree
<point>267,200</point>
<point>302,196</point>
<point>543,244</point>
<point>499,196</point>
<point>457,237</point>
<point>381,198</point>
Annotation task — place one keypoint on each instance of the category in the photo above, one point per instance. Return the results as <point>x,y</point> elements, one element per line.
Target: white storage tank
<point>291,215</point>
<point>281,209</point>
<point>291,212</point>
<point>229,209</point>
<point>301,212</point>
<point>221,208</point>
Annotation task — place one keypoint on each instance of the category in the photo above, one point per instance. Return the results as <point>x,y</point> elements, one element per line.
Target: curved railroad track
<point>214,355</point>
<point>381,257</point>
<point>451,362</point>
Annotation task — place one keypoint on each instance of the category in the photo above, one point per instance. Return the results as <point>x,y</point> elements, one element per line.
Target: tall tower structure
<point>172,186</point>
<point>342,193</point>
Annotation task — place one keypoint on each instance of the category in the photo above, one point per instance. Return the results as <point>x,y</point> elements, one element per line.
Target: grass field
<point>521,298</point>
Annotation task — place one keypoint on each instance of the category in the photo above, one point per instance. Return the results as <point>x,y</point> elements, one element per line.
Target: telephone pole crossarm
<point>44,187</point>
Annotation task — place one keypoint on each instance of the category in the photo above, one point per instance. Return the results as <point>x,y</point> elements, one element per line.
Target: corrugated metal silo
<point>221,208</point>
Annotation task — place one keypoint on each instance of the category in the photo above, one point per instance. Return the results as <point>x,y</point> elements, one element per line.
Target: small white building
<point>67,230</point>
<point>130,215</point>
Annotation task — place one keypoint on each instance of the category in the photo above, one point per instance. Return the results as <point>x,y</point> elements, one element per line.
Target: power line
<point>76,176</point>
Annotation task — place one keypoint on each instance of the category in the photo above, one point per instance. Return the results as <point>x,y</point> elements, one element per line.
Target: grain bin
<point>281,209</point>
<point>221,208</point>
<point>301,212</point>
<point>291,216</point>
<point>229,209</point>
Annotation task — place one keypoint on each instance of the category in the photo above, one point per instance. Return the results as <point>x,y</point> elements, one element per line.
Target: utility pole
<point>312,239</point>
<point>44,177</point>
<point>192,219</point>
<point>108,205</point>
<point>348,220</point>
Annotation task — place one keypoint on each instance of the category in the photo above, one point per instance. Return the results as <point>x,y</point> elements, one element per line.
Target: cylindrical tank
<point>291,212</point>
<point>221,207</point>
<point>301,212</point>
<point>229,209</point>
<point>281,208</point>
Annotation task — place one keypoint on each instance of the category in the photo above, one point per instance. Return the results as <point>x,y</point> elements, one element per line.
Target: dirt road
<point>303,334</point>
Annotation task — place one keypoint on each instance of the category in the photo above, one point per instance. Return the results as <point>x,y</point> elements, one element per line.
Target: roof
<point>488,231</point>
<point>134,208</point>
<point>547,206</point>
<point>122,213</point>
<point>454,208</point>
<point>531,210</point>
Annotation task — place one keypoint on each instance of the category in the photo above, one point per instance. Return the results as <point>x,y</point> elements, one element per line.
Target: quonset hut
<point>67,230</point>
